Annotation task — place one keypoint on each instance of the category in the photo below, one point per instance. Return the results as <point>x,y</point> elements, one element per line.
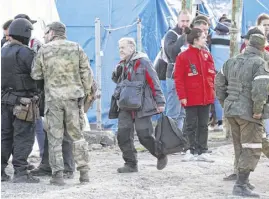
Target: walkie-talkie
<point>193,68</point>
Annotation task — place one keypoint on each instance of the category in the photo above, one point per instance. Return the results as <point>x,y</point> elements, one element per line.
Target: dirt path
<point>186,180</point>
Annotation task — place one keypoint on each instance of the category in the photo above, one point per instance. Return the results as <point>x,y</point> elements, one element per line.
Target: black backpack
<point>160,66</point>
<point>169,138</point>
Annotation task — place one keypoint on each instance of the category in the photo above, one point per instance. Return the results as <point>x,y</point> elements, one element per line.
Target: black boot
<point>241,188</point>
<point>232,177</point>
<point>4,177</point>
<point>68,175</point>
<point>162,162</point>
<point>25,178</point>
<point>127,169</point>
<point>57,178</point>
<point>30,167</point>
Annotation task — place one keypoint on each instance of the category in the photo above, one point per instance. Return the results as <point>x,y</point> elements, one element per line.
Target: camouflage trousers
<point>65,113</point>
<point>247,141</point>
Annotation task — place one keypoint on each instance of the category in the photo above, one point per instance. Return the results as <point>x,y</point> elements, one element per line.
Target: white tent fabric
<point>42,11</point>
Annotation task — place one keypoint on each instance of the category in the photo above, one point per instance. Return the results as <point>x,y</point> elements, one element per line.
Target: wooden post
<point>139,35</point>
<point>236,27</point>
<point>98,71</point>
<point>186,5</point>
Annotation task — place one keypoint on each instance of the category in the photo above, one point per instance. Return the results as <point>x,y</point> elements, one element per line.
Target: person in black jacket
<point>18,92</point>
<point>174,43</point>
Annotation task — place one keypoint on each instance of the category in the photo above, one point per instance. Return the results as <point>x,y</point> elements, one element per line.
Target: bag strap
<point>171,30</point>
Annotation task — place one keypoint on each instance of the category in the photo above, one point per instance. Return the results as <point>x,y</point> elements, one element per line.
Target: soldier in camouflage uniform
<point>242,85</point>
<point>68,78</point>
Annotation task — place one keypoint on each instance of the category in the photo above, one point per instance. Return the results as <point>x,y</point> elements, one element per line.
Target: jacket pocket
<point>149,103</point>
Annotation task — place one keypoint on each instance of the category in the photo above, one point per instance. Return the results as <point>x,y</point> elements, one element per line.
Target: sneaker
<point>204,158</point>
<point>188,157</point>
<point>204,151</point>
<point>162,162</point>
<point>218,128</point>
<point>211,128</point>
<point>27,178</point>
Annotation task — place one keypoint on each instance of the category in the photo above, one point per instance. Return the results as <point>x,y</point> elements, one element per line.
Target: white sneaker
<point>204,158</point>
<point>218,128</point>
<point>211,128</point>
<point>188,157</point>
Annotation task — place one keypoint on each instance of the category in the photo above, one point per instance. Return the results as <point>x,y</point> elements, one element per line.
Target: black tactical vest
<point>14,74</point>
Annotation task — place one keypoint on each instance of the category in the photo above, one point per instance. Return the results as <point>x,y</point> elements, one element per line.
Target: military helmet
<point>20,27</point>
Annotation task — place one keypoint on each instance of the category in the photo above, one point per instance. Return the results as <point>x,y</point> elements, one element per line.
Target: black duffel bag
<point>169,138</point>
<point>114,109</point>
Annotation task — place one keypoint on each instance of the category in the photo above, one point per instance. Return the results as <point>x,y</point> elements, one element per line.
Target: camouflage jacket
<point>65,69</point>
<point>242,84</point>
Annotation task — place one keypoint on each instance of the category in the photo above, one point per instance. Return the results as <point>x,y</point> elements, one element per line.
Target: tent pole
<point>139,35</point>
<point>98,71</point>
<point>236,27</point>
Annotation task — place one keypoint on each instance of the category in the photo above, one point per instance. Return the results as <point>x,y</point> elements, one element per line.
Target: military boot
<point>84,176</point>
<point>25,178</point>
<point>127,169</point>
<point>57,178</point>
<point>250,186</point>
<point>241,188</point>
<point>68,175</point>
<point>233,177</point>
<point>162,162</point>
<point>4,177</point>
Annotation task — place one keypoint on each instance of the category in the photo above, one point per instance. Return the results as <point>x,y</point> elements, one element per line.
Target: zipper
<point>202,72</point>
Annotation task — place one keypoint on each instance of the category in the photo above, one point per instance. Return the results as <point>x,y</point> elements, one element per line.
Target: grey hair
<point>130,41</point>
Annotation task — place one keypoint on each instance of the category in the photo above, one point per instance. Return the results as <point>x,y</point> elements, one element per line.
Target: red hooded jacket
<point>197,89</point>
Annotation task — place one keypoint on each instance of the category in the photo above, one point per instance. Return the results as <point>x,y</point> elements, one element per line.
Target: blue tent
<point>251,10</point>
<point>79,17</point>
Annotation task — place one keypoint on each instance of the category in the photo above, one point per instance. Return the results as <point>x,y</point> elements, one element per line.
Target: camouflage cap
<point>257,41</point>
<point>58,27</point>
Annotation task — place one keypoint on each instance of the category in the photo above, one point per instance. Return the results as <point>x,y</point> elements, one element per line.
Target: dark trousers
<point>17,138</point>
<point>125,136</point>
<point>69,163</point>
<point>196,127</point>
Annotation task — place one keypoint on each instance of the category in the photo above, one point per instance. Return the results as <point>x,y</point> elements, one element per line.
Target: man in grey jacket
<point>136,67</point>
<point>174,43</point>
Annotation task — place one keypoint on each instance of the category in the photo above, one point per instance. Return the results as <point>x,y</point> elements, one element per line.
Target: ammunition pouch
<point>265,147</point>
<point>265,114</point>
<point>81,113</point>
<point>27,110</point>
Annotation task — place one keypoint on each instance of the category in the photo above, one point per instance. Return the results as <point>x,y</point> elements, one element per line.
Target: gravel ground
<point>186,180</point>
